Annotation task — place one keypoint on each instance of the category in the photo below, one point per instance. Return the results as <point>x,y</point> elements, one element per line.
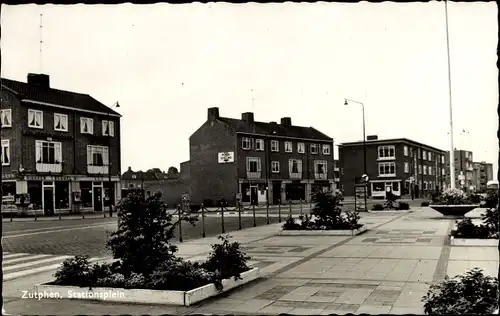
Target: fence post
<point>301,212</point>
<point>35,215</point>
<point>253,211</point>
<point>222,216</point>
<point>80,209</point>
<point>279,211</point>
<point>180,222</point>
<point>202,220</point>
<point>267,212</point>
<point>290,201</point>
<point>239,215</point>
<point>59,212</point>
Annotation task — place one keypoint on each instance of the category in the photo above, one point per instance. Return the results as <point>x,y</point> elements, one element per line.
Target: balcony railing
<point>49,167</point>
<point>97,169</point>
<point>253,175</point>
<point>320,176</point>
<point>336,169</point>
<point>337,179</point>
<point>295,175</point>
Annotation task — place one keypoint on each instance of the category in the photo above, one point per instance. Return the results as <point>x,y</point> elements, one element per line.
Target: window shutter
<point>38,151</point>
<point>89,155</point>
<point>258,165</point>
<point>299,165</point>
<point>111,128</point>
<point>58,151</point>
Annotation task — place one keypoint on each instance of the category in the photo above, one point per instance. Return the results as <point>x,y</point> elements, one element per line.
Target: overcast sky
<point>166,64</point>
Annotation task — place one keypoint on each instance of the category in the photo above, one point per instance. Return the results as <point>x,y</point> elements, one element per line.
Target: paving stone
<point>370,309</point>
<point>322,299</point>
<point>251,306</point>
<point>275,310</point>
<point>424,240</point>
<point>306,311</point>
<point>370,239</point>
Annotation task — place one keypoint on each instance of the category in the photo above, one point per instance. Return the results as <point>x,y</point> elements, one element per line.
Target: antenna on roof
<point>253,100</point>
<point>41,43</point>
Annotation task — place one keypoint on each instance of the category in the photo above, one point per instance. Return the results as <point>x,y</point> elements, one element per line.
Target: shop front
<point>379,188</point>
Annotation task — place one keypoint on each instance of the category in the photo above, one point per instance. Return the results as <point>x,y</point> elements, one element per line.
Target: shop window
<point>35,192</point>
<point>86,189</point>
<point>62,194</point>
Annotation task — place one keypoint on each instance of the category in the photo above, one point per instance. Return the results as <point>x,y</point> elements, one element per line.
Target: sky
<point>166,64</point>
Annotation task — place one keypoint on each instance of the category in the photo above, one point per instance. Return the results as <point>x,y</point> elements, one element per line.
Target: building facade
<point>464,168</point>
<point>172,186</point>
<point>482,173</point>
<point>336,176</point>
<point>60,149</point>
<point>256,162</point>
<point>401,166</point>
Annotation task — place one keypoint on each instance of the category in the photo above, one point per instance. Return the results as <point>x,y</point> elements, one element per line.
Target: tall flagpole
<point>452,150</point>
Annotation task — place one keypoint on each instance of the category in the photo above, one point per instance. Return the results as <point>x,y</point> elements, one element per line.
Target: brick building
<point>401,165</point>
<point>59,148</point>
<point>261,161</point>
<point>172,186</point>
<point>481,174</point>
<point>464,167</point>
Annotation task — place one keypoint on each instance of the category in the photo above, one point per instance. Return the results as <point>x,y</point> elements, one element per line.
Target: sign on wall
<point>226,157</point>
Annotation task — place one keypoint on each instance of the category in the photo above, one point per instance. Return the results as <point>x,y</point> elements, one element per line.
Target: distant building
<point>336,176</point>
<point>481,175</point>
<point>258,160</point>
<point>172,186</point>
<point>463,169</point>
<point>60,149</point>
<point>402,166</point>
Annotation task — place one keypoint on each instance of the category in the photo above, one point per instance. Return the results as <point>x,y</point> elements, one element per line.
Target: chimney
<point>213,114</point>
<point>286,121</point>
<point>129,168</point>
<point>247,117</point>
<point>40,80</point>
<point>371,137</point>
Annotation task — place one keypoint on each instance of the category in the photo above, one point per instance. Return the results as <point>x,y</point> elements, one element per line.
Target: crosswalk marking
<point>17,265</point>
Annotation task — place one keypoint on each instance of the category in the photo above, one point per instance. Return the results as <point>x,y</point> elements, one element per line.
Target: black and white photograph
<point>250,158</point>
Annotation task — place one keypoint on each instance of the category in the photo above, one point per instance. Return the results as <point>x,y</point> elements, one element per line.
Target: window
<point>259,144</point>
<point>442,159</point>
<point>419,169</point>
<point>320,169</point>
<point>60,122</point>
<point>246,143</point>
<point>407,167</point>
<point>425,170</point>
<point>253,164</point>
<point>6,116</point>
<point>5,156</point>
<point>295,166</point>
<point>288,147</point>
<point>108,128</point>
<point>97,156</point>
<point>419,154</point>
<point>430,156</point>
<point>275,166</point>
<point>326,149</point>
<point>387,169</point>
<point>48,152</point>
<point>430,170</point>
<point>86,125</point>
<point>424,155</point>
<point>395,186</point>
<point>275,146</point>
<point>425,185</point>
<point>405,149</point>
<point>411,151</point>
<point>386,152</point>
<point>35,119</point>
<point>301,148</point>
<point>314,149</point>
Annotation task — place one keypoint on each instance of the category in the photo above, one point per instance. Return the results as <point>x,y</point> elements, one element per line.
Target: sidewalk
<point>385,270</point>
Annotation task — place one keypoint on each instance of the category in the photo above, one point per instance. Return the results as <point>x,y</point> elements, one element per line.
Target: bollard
<point>253,211</point>
<point>279,211</point>
<point>267,212</point>
<point>35,214</point>
<point>83,213</point>
<point>11,215</point>
<point>239,216</point>
<point>290,215</point>
<point>222,216</point>
<point>180,222</point>
<point>202,221</point>
<point>300,207</point>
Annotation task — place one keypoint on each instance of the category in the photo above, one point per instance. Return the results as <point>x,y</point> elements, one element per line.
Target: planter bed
<point>473,242</point>
<point>454,210</point>
<point>142,296</point>
<point>332,232</point>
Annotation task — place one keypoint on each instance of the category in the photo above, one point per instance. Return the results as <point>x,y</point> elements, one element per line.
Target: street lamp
<point>116,105</point>
<point>364,141</point>
<point>452,151</point>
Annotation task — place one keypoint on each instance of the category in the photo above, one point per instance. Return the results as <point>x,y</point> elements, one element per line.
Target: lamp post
<point>116,105</point>
<point>364,140</point>
<point>452,151</point>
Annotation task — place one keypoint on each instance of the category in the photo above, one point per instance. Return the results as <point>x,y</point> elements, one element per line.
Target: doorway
<point>48,200</point>
<point>276,192</point>
<point>254,194</point>
<point>97,199</point>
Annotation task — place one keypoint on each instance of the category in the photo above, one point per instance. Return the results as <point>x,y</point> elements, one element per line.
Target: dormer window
<point>86,125</point>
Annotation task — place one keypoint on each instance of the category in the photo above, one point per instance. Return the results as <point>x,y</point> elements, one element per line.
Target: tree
<point>173,171</point>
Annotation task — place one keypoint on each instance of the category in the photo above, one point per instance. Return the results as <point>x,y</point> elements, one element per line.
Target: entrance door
<point>97,199</point>
<point>276,192</point>
<point>254,195</point>
<point>48,201</point>
<point>388,188</point>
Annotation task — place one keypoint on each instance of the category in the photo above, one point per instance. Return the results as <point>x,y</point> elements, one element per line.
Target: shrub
<point>454,197</point>
<point>378,207</point>
<point>390,200</point>
<point>180,275</point>
<point>425,204</point>
<point>467,229</point>
<point>490,221</point>
<point>403,206</point>
<point>472,293</point>
<point>74,271</point>
<point>226,259</point>
<point>290,224</point>
<point>491,199</point>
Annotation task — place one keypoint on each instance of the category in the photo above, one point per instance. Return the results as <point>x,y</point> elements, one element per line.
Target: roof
<point>69,99</point>
<point>154,174</point>
<point>275,129</point>
<point>391,140</point>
